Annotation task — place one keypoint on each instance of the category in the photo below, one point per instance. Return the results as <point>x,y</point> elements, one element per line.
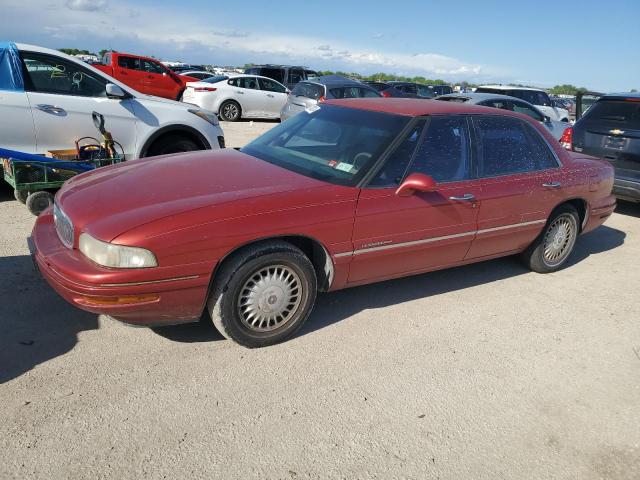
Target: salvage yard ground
<point>484,371</point>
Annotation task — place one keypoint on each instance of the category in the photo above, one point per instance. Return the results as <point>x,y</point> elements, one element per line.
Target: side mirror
<point>416,182</point>
<point>547,119</point>
<point>114,91</point>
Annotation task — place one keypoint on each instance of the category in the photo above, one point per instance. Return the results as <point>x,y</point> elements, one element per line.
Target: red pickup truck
<point>144,74</point>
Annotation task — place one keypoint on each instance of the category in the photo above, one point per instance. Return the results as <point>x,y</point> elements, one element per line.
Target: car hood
<point>112,200</point>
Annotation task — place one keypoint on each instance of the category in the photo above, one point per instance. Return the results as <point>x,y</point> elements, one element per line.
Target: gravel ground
<point>485,371</point>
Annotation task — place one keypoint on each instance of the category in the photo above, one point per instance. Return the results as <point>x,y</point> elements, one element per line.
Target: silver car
<point>506,102</point>
<point>308,93</point>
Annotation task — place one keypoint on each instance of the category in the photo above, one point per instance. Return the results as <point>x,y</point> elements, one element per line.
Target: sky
<point>587,43</point>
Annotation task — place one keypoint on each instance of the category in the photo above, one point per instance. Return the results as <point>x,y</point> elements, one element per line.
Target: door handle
<point>269,95</point>
<point>50,109</point>
<point>467,197</point>
<point>240,92</point>
<point>552,185</point>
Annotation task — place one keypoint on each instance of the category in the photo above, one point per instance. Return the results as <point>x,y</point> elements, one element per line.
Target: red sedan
<point>353,192</point>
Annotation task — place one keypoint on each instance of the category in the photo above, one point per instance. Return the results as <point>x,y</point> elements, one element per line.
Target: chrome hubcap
<point>269,298</point>
<point>559,240</point>
<point>230,111</point>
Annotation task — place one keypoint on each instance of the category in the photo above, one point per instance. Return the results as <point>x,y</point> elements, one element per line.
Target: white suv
<point>53,108</point>
<point>535,96</point>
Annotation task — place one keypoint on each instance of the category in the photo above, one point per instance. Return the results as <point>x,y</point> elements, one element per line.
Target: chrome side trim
<point>515,225</point>
<point>437,239</point>
<point>132,284</point>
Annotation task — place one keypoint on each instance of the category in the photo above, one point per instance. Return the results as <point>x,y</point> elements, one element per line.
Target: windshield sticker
<point>333,163</point>
<point>345,167</point>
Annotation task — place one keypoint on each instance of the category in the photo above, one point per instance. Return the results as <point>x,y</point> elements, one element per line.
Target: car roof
<point>415,107</point>
<point>511,87</point>
<point>622,95</point>
<point>480,97</point>
<point>334,80</point>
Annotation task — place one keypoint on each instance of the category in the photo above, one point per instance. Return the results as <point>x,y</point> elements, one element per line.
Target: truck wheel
<point>230,111</point>
<point>38,202</point>
<point>21,195</point>
<point>263,295</point>
<point>172,144</point>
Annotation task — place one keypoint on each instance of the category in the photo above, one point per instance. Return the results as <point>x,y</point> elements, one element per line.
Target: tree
<point>566,89</point>
<point>75,51</point>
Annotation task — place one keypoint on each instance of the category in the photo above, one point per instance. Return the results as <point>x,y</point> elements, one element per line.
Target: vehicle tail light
<point>321,99</point>
<point>204,89</point>
<point>386,94</point>
<point>567,139</point>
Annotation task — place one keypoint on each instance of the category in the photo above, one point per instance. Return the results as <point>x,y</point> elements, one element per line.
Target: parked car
<point>307,94</point>
<point>55,95</point>
<point>534,96</point>
<point>288,75</point>
<point>610,129</point>
<point>401,89</point>
<point>238,96</point>
<point>508,103</point>
<point>441,89</point>
<point>144,74</point>
<point>357,191</point>
<point>183,69</point>
<point>199,74</point>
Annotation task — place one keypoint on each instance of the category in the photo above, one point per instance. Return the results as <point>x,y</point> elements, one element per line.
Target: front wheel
<point>38,202</point>
<point>554,245</point>
<point>230,111</point>
<point>172,144</point>
<point>263,295</point>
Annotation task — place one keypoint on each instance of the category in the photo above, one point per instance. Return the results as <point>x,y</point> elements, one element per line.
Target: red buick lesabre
<point>353,192</point>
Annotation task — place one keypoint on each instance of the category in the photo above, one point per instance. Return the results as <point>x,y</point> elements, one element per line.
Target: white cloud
<point>86,5</point>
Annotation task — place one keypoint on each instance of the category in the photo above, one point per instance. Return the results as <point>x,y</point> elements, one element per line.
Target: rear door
<point>611,130</point>
<point>521,183</point>
<point>247,92</point>
<point>396,235</point>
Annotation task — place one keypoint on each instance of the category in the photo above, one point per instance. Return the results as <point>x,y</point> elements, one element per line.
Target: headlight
<point>210,117</point>
<point>115,256</point>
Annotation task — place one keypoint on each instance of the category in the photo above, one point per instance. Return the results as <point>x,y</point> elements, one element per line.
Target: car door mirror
<point>416,182</point>
<point>115,91</point>
<point>546,119</point>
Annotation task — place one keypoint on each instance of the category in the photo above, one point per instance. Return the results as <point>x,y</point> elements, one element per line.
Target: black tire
<point>552,248</point>
<point>230,111</point>
<point>38,202</point>
<point>21,195</point>
<point>566,120</point>
<point>172,144</point>
<point>255,269</point>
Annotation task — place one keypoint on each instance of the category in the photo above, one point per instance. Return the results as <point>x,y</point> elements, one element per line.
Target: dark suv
<point>610,129</point>
<point>402,89</point>
<point>288,75</point>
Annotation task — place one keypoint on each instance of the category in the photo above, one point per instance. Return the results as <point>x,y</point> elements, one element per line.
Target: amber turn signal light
<point>121,300</point>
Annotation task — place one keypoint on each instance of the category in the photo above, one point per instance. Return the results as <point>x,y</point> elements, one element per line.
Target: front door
<point>63,96</point>
<point>247,92</point>
<point>395,236</point>
<point>158,81</point>
<point>520,185</point>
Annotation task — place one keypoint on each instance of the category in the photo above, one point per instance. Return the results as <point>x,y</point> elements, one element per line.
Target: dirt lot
<point>485,371</point>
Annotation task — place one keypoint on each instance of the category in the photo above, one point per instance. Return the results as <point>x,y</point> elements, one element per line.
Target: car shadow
<point>334,307</point>
<point>630,209</point>
<point>6,192</point>
<point>36,325</point>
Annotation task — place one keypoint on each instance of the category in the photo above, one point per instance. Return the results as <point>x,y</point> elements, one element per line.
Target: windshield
<point>216,79</point>
<point>334,144</point>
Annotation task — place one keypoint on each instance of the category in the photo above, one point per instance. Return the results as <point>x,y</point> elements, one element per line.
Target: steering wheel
<point>77,78</point>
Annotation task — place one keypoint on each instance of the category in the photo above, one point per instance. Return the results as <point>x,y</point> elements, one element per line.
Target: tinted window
<point>392,172</point>
<point>276,73</point>
<point>334,144</point>
<point>410,89</point>
<point>216,79</point>
<point>453,99</point>
<point>49,74</point>
<point>308,90</point>
<point>352,92</point>
<point>527,110</point>
<point>244,82</point>
<point>616,112</point>
<point>296,75</point>
<point>510,146</point>
<point>271,85</point>
<point>252,71</point>
<point>425,91</point>
<point>503,104</point>
<point>443,152</point>
<point>152,67</point>
<point>131,63</point>
<point>377,85</point>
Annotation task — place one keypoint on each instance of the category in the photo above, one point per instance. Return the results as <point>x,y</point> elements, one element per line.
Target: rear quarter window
<point>308,90</point>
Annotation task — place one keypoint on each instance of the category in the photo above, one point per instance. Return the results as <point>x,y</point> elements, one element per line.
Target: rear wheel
<point>554,245</point>
<point>37,202</point>
<point>21,195</point>
<point>172,144</point>
<point>230,111</point>
<point>263,295</point>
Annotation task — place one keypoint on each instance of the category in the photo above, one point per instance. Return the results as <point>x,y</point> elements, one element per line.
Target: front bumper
<point>132,299</point>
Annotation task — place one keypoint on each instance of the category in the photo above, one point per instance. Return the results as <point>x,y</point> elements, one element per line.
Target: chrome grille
<point>64,227</point>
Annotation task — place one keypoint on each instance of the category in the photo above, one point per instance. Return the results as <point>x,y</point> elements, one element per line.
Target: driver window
<point>271,86</point>
<point>444,151</point>
<point>48,74</point>
<point>527,110</point>
<point>152,67</point>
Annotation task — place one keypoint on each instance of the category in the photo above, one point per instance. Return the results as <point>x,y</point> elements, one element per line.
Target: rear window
<point>620,112</point>
<point>216,79</point>
<point>353,92</point>
<point>377,85</point>
<point>308,90</point>
<point>534,97</point>
<point>453,99</point>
